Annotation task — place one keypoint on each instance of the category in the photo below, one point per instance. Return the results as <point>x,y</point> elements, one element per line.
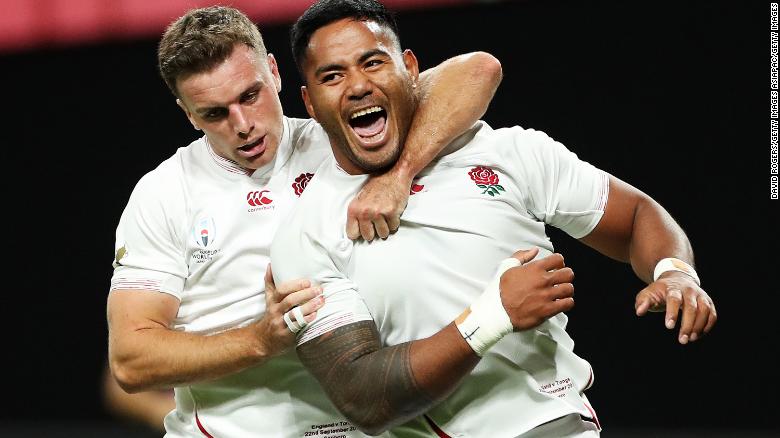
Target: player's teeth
<point>373,109</point>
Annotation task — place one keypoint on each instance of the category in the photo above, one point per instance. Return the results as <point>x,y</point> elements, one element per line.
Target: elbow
<point>129,380</point>
<point>372,427</point>
<point>373,431</point>
<point>487,68</point>
<point>366,418</point>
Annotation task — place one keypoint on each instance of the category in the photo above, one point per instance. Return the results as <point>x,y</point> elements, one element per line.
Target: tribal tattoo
<point>372,386</point>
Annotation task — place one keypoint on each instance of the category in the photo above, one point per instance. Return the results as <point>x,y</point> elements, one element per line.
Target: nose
<point>241,123</point>
<point>359,85</point>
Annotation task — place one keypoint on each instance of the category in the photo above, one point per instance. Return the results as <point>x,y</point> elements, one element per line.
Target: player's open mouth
<point>369,125</point>
<point>257,147</point>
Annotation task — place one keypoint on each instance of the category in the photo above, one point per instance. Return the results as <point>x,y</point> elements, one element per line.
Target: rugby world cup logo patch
<point>204,232</point>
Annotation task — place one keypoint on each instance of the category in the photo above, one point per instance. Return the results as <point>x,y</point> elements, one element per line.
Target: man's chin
<point>376,163</point>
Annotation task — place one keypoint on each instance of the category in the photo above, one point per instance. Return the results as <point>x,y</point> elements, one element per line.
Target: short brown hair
<point>201,39</point>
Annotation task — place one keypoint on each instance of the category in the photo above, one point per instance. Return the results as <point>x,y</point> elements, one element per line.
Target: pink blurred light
<point>27,24</point>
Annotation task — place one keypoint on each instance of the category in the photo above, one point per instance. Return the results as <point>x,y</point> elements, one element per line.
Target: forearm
<point>656,236</point>
<point>637,230</point>
<point>452,97</point>
<point>377,388</point>
<point>157,357</point>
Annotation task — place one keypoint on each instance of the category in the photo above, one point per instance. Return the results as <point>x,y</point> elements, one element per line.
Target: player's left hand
<point>675,293</point>
<point>376,210</point>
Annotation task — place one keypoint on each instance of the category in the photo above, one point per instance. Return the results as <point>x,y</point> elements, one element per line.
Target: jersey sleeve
<point>560,189</point>
<point>313,247</point>
<point>149,248</point>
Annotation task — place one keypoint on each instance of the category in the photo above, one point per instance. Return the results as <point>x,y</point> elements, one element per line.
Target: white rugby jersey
<point>468,211</point>
<point>199,228</point>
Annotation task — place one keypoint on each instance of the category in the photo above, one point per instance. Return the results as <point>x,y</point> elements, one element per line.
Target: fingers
<point>562,291</point>
<point>685,302</point>
<point>353,228</point>
<point>381,227</point>
<point>689,310</point>
<point>705,315</point>
<point>712,318</point>
<point>555,307</point>
<point>393,222</point>
<point>526,255</point>
<point>563,275</point>
<point>650,299</point>
<point>702,318</point>
<point>269,278</point>
<point>367,230</point>
<point>310,308</point>
<point>673,303</point>
<point>300,298</point>
<point>377,209</point>
<point>291,286</point>
<point>641,305</point>
<point>551,262</point>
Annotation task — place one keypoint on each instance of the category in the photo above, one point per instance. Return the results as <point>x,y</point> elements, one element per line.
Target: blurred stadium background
<point>671,96</point>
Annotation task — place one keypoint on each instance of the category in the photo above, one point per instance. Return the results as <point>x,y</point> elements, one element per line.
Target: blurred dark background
<point>671,96</point>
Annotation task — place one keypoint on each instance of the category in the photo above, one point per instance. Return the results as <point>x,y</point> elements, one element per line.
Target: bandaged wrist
<point>485,322</point>
<point>674,264</point>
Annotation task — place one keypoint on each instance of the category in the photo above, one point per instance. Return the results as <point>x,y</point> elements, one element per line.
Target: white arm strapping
<point>488,321</point>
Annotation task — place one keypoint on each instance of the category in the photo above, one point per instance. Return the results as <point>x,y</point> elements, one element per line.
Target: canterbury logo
<point>258,198</point>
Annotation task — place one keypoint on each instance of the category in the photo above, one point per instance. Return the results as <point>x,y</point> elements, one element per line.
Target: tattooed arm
<point>377,388</point>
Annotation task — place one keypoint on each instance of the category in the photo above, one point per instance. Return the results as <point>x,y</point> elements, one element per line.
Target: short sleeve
<point>559,189</point>
<point>149,248</point>
<point>311,247</point>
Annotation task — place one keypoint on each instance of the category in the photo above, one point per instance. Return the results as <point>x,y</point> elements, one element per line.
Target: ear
<point>410,62</point>
<point>187,113</point>
<point>307,102</point>
<point>275,72</point>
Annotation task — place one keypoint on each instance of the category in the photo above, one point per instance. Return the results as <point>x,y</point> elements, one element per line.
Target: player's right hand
<point>273,332</point>
<point>537,290</point>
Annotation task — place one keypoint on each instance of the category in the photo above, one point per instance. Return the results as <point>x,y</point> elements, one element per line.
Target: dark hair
<point>324,12</point>
<point>201,39</point>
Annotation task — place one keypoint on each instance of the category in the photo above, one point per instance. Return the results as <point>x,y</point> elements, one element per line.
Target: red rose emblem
<point>483,175</point>
<point>416,188</point>
<point>486,179</point>
<point>301,182</point>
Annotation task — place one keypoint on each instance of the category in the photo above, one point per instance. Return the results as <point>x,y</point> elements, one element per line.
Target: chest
<point>230,224</point>
<point>460,222</point>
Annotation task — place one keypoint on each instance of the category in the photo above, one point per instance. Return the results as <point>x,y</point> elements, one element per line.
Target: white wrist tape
<point>487,322</point>
<point>673,264</point>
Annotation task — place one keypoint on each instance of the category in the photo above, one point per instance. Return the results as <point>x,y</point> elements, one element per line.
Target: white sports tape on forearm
<point>673,264</point>
<point>487,322</point>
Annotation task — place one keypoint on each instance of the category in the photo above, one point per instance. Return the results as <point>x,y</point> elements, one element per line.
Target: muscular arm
<point>637,230</point>
<point>452,96</point>
<point>145,353</point>
<point>379,387</point>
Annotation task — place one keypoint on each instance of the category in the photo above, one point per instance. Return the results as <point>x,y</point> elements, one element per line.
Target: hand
<point>675,292</point>
<point>377,209</point>
<point>273,332</point>
<point>537,290</point>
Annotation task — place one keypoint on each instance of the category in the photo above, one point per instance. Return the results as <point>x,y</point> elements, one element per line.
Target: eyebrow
<point>365,56</point>
<point>253,87</point>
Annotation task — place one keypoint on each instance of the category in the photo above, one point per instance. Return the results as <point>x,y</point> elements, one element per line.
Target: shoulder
<point>165,184</point>
<point>321,210</point>
<point>519,139</point>
<point>307,135</point>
